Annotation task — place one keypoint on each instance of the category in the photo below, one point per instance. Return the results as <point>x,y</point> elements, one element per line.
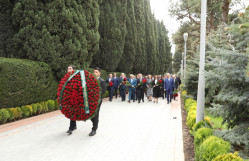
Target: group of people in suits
<point>138,86</point>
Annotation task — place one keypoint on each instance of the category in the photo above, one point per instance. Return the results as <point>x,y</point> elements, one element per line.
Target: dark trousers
<point>116,92</point>
<point>140,94</point>
<point>169,95</point>
<point>110,94</point>
<point>123,94</point>
<point>94,120</point>
<point>72,125</point>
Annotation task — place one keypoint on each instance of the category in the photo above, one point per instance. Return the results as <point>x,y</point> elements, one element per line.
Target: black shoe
<point>70,132</point>
<point>138,101</point>
<point>129,101</point>
<point>133,100</point>
<point>168,103</point>
<point>92,133</point>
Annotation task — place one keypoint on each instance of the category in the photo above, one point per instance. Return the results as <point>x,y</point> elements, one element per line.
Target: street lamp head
<point>185,36</point>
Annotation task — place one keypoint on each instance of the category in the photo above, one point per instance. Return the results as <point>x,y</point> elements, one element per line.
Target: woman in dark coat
<point>156,89</point>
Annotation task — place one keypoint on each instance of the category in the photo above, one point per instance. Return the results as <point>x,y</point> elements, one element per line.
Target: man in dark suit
<point>140,88</point>
<point>95,120</point>
<point>110,88</point>
<point>168,87</point>
<point>116,84</point>
<point>122,86</point>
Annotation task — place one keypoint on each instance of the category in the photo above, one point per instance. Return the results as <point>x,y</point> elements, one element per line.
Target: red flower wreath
<point>72,101</point>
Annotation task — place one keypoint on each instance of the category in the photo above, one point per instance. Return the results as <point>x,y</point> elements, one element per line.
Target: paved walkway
<point>127,132</point>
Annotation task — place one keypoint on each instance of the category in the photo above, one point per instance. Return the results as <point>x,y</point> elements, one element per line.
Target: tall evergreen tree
<point>59,32</point>
<point>141,57</point>
<point>112,32</point>
<point>177,61</point>
<point>150,39</point>
<point>129,53</point>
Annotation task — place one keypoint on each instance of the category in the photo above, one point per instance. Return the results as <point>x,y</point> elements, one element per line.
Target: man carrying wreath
<point>95,119</point>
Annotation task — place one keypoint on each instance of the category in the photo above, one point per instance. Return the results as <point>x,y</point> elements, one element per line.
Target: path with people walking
<point>127,132</point>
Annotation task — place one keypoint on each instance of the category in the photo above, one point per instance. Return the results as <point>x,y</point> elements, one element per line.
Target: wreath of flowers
<point>70,96</point>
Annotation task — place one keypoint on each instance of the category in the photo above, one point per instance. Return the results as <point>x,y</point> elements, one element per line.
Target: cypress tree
<point>129,55</point>
<point>150,39</point>
<point>59,32</point>
<point>112,30</point>
<point>141,57</point>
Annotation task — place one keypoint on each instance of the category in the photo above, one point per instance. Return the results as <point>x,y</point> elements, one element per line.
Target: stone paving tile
<point>127,132</point>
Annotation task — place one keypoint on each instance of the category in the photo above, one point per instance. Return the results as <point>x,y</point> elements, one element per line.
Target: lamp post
<point>185,37</point>
<point>201,81</point>
<point>181,69</point>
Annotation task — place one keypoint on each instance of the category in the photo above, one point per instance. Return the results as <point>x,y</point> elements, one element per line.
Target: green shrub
<point>211,148</point>
<point>44,106</point>
<point>228,157</point>
<point>24,82</point>
<point>4,115</point>
<point>34,106</point>
<point>13,114</point>
<point>191,119</point>
<point>51,105</point>
<point>20,113</point>
<point>106,94</point>
<point>190,102</point>
<point>201,124</point>
<point>29,107</point>
<point>26,111</point>
<point>39,108</point>
<point>192,107</point>
<point>56,106</point>
<point>201,134</point>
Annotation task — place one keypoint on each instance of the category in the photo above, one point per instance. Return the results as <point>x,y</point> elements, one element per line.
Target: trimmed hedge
<point>12,114</point>
<point>4,115</point>
<point>228,157</point>
<point>207,146</point>
<point>201,135</point>
<point>24,82</point>
<point>211,148</point>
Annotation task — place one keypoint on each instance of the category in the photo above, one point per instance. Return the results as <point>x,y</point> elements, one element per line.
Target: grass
<point>216,121</point>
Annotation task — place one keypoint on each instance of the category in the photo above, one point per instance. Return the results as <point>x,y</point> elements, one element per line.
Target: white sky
<point>160,8</point>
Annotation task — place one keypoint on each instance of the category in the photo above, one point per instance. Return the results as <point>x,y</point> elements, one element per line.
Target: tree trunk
<point>225,10</point>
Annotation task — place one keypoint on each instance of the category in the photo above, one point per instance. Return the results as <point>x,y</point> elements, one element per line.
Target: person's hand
<point>165,90</point>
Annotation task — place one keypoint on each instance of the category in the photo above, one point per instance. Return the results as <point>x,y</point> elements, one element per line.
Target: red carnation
<point>125,79</point>
<point>160,81</point>
<point>144,80</point>
<point>110,83</point>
